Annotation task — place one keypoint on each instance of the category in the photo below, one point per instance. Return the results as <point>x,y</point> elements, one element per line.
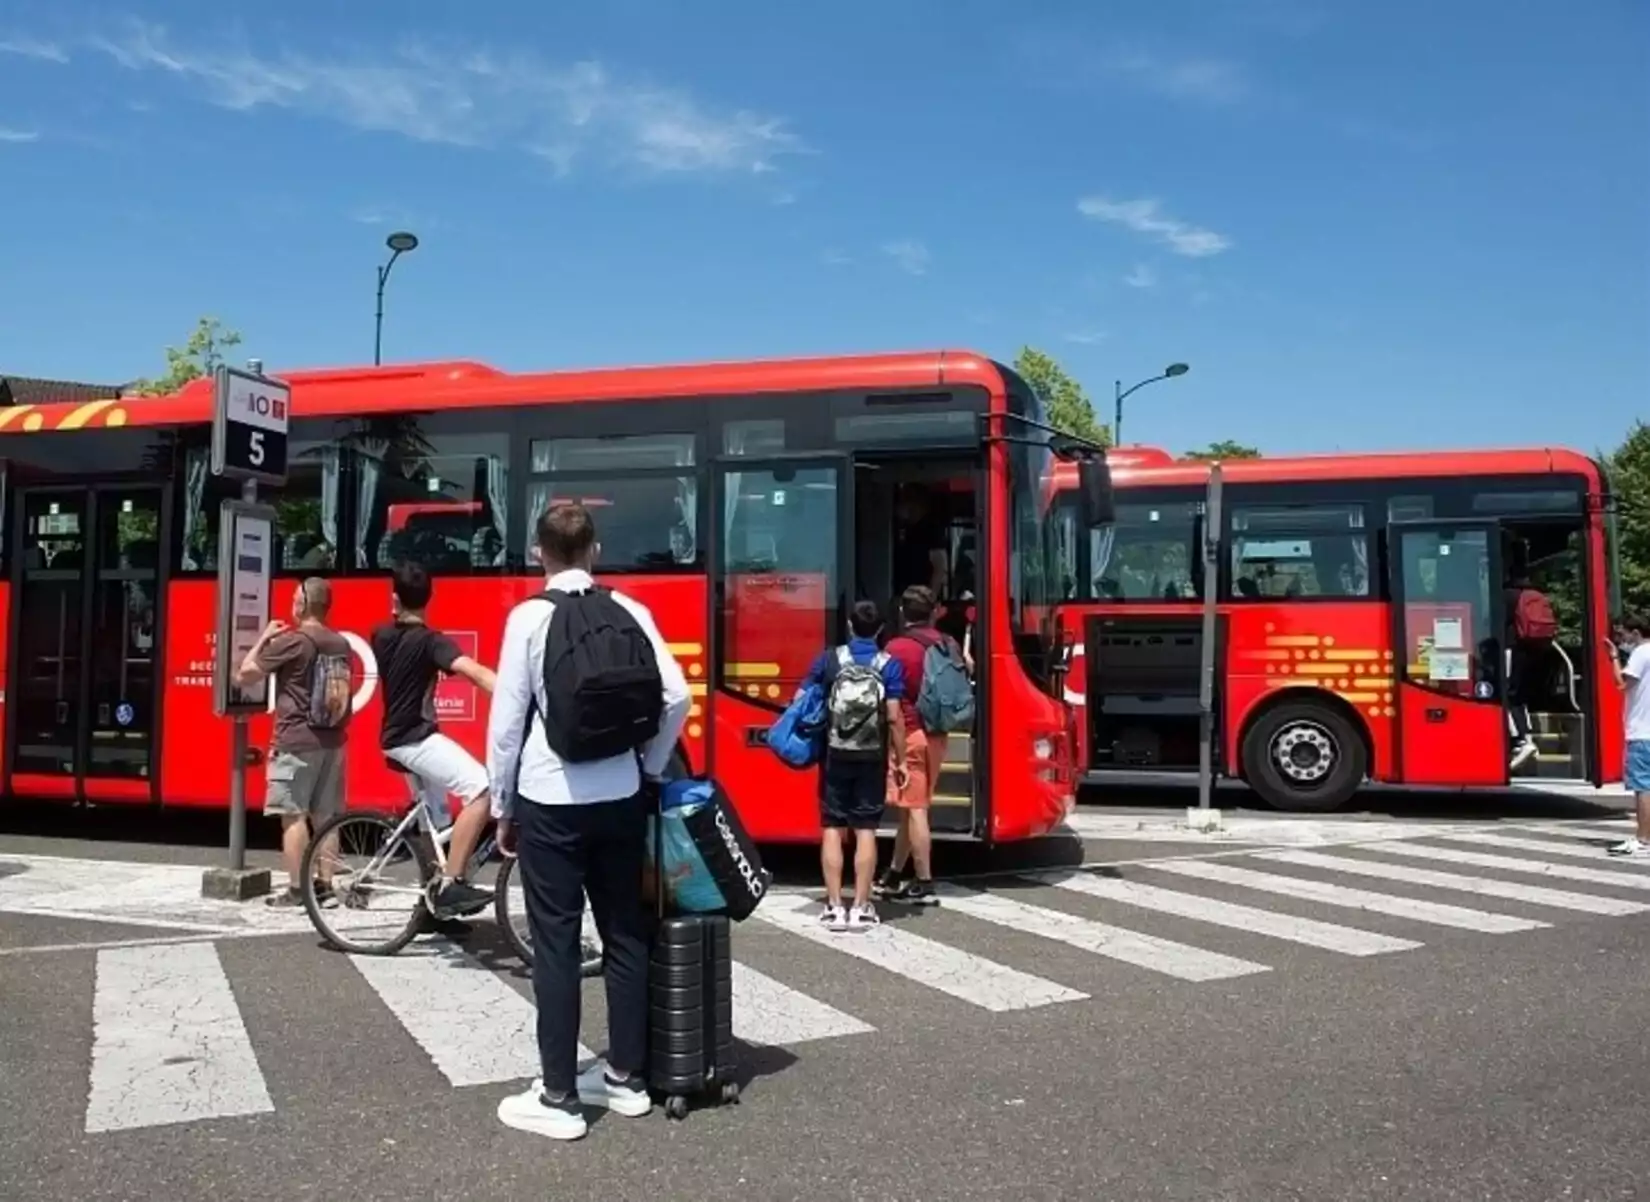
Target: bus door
<point>84,681</point>
<point>1449,652</point>
<point>782,563</point>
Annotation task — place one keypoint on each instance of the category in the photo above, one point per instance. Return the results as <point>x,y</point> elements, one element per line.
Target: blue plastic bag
<point>798,737</point>
<point>689,885</point>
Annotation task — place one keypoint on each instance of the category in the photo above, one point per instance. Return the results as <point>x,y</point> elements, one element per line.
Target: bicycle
<point>344,915</point>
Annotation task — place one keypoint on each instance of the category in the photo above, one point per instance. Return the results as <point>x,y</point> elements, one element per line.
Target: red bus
<point>1361,620</point>
<point>746,503</point>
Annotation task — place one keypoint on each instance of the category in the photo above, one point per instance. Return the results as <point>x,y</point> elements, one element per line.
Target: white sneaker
<point>530,1111</point>
<point>1524,753</point>
<point>863,918</point>
<point>1633,848</point>
<point>834,918</point>
<point>628,1097</point>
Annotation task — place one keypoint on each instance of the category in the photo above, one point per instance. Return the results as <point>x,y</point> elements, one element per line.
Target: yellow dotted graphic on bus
<point>696,710</point>
<point>696,669</point>
<point>32,421</point>
<point>117,417</point>
<point>1328,640</point>
<point>695,730</point>
<point>773,690</point>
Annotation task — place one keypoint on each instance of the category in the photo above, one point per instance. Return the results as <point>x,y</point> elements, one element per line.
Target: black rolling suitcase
<point>690,1002</point>
<point>690,1012</point>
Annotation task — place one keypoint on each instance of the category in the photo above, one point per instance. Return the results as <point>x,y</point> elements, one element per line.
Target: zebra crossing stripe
<point>1616,831</point>
<point>1357,899</point>
<point>168,1042</point>
<point>1143,951</point>
<point>476,1029</point>
<point>1349,941</point>
<point>770,1014</point>
<point>1474,859</point>
<point>1537,895</point>
<point>952,971</point>
<point>1548,847</point>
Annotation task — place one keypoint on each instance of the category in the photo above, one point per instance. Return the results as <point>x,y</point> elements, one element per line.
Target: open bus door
<point>1449,651</point>
<point>782,576</point>
<point>85,682</point>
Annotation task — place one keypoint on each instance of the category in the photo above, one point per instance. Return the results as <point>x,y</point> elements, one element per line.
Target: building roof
<point>30,390</point>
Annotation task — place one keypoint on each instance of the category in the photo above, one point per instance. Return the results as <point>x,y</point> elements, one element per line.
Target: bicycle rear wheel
<point>510,910</point>
<point>378,875</point>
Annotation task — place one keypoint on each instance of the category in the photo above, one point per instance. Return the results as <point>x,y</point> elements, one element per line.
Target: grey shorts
<point>305,782</point>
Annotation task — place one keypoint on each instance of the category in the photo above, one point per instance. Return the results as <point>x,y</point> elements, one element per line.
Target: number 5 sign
<point>249,424</point>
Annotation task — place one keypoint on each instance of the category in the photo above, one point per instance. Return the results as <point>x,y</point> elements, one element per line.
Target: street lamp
<point>1169,373</point>
<point>399,243</point>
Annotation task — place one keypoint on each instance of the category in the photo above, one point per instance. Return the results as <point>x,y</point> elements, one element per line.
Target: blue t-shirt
<point>863,651</point>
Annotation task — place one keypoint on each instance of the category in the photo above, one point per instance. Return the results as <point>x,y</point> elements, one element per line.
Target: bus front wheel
<point>1304,756</point>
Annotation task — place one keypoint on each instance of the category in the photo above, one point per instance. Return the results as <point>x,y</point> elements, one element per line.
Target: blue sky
<point>1364,225</point>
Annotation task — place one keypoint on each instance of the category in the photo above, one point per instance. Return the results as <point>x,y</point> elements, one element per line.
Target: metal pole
<point>378,321</point>
<point>1206,682</point>
<point>1117,415</point>
<point>237,729</point>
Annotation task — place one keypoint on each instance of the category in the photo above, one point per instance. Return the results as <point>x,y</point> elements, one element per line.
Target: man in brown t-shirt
<point>305,770</point>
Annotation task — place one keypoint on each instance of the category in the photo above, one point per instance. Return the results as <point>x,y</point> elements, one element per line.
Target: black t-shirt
<point>411,657</point>
<point>914,548</point>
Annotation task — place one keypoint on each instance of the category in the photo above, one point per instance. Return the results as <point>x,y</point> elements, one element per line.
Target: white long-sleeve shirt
<point>528,768</point>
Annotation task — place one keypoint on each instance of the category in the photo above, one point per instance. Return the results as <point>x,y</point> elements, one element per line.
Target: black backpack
<point>602,689</point>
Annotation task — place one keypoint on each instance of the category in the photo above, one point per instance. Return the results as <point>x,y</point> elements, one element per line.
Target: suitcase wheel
<point>676,1107</point>
<point>730,1093</point>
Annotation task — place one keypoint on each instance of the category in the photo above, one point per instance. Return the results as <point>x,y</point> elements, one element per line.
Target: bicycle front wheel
<point>510,911</point>
<point>364,882</point>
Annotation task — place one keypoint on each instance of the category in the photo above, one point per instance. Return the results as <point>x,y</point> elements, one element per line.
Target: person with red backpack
<point>1532,628</point>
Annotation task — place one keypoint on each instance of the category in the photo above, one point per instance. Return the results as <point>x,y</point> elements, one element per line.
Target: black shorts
<point>853,795</point>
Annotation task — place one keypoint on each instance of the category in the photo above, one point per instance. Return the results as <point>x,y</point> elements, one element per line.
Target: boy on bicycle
<point>411,658</point>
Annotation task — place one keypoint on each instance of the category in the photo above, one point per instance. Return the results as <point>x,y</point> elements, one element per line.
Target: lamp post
<point>399,243</point>
<point>1169,373</point>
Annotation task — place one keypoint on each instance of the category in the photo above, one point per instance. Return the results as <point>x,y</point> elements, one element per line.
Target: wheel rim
<point>1304,753</point>
<point>378,885</point>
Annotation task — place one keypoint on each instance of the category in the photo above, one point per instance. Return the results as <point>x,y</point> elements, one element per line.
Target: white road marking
<point>1551,848</point>
<point>168,1043</point>
<point>1536,895</point>
<point>1357,899</point>
<point>1173,959</point>
<point>476,1029</point>
<point>1567,872</point>
<point>770,1014</point>
<point>1329,936</point>
<point>973,979</point>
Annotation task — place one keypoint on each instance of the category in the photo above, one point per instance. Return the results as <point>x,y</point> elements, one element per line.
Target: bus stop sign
<point>249,425</point>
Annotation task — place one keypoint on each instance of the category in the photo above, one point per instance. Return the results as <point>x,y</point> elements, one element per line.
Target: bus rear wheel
<point>1304,756</point>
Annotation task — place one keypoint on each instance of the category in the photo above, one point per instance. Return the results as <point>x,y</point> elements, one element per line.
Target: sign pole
<point>1205,817</point>
<point>249,435</point>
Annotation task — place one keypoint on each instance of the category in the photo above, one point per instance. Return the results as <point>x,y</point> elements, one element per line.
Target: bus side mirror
<point>1094,485</point>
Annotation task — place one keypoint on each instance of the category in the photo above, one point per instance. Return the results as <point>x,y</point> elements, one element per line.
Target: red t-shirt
<point>907,650</point>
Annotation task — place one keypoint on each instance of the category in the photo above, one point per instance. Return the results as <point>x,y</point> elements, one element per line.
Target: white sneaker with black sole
<point>1632,849</point>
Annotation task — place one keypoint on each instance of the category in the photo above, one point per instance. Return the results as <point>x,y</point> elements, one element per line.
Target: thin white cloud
<point>565,113</point>
<point>832,257</point>
<point>1147,218</point>
<point>1141,275</point>
<point>1087,337</point>
<point>909,256</point>
<point>35,48</point>
<point>18,135</point>
<point>1197,79</point>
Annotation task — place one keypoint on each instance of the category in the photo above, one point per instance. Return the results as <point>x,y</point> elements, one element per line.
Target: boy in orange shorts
<point>924,754</point>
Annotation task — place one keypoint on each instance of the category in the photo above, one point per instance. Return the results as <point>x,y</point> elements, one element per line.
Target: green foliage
<point>1225,448</point>
<point>199,356</point>
<point>1630,481</point>
<point>1069,408</point>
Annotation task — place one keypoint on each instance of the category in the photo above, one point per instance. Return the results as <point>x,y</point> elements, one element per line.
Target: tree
<point>1068,406</point>
<point>199,356</point>
<point>1225,448</point>
<point>1630,482</point>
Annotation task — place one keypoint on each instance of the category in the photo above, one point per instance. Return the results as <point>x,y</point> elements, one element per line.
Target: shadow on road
<point>1377,801</point>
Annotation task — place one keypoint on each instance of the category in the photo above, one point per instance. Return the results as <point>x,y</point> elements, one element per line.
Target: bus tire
<point>1304,756</point>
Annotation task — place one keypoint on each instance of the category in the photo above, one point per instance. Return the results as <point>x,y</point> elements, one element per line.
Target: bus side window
<point>1299,551</point>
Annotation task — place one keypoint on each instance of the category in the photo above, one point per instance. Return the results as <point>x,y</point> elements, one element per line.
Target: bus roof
<point>1145,467</point>
<point>463,384</point>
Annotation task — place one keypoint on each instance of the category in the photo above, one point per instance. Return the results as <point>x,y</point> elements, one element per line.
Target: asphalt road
<point>1169,1030</point>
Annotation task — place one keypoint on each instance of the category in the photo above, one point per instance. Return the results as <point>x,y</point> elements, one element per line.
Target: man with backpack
<point>864,744</point>
<point>938,702</point>
<point>412,657</point>
<point>314,698</point>
<point>1532,629</point>
<point>586,688</point>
